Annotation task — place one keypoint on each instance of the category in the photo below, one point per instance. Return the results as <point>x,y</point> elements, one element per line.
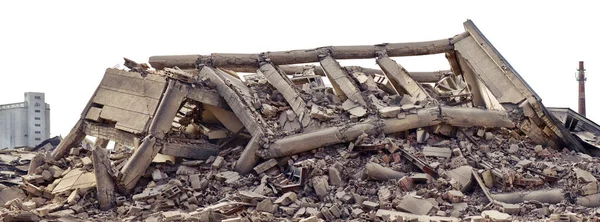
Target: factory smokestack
<point>581,78</point>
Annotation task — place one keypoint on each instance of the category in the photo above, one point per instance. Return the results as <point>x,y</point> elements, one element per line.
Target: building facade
<point>26,123</point>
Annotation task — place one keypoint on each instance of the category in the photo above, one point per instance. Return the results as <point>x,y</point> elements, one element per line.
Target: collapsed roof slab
<point>510,90</point>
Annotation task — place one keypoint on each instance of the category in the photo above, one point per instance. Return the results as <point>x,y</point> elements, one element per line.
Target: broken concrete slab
<point>462,175</point>
<point>443,152</point>
<point>415,205</point>
<point>286,199</point>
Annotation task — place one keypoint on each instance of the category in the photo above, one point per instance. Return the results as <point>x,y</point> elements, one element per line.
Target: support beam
<point>74,138</point>
<point>161,124</point>
<point>136,165</point>
<point>428,77</point>
<point>227,118</point>
<point>168,107</point>
<point>456,116</point>
<point>400,78</point>
<point>105,186</point>
<point>190,151</point>
<point>251,120</point>
<point>248,158</point>
<point>341,81</point>
<point>207,97</point>
<point>470,78</point>
<point>229,61</point>
<point>281,82</point>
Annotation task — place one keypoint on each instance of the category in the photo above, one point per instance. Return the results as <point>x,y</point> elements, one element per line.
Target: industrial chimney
<point>581,78</point>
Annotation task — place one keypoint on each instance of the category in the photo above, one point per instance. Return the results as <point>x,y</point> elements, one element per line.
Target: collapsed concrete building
<point>281,129</point>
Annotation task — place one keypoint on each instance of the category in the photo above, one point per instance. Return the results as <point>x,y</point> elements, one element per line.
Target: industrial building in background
<point>25,124</point>
<point>581,78</point>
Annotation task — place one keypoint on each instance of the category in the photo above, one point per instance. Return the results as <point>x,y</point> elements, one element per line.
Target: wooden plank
<point>190,151</point>
<point>125,101</point>
<point>110,133</point>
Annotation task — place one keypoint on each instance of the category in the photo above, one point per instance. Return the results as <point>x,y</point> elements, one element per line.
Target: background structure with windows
<point>26,123</point>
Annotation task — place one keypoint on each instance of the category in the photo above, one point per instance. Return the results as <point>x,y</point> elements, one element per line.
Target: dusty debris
<point>197,141</point>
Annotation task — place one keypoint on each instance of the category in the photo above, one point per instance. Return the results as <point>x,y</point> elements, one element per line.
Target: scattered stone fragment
<point>462,175</point>
<point>310,219</point>
<point>590,188</point>
<point>384,194</point>
<point>495,215</point>
<point>356,212</point>
<point>321,186</point>
<point>584,176</point>
<point>28,206</point>
<point>173,215</point>
<point>513,209</point>
<point>514,148</point>
<point>157,175</point>
<point>414,205</point>
<point>86,161</point>
<point>429,151</point>
<point>228,176</point>
<point>286,199</point>
<point>261,168</point>
<point>422,178</point>
<point>335,177</point>
<point>195,182</point>
<point>455,196</point>
<point>266,206</point>
<point>218,162</point>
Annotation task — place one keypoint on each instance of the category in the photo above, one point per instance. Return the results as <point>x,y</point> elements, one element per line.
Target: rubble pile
<point>197,140</point>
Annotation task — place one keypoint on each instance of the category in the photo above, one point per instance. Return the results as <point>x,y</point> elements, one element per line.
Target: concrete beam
<point>251,120</point>
<point>456,116</point>
<point>400,78</point>
<point>136,165</point>
<point>280,81</point>
<point>105,186</point>
<point>232,60</point>
<point>340,80</point>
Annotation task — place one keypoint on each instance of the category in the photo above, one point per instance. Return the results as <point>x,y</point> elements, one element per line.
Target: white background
<point>62,48</point>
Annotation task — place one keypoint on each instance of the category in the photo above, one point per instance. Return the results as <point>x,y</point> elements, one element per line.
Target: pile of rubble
<point>198,141</point>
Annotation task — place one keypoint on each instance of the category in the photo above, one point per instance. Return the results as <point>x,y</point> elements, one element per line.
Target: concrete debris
<point>286,199</point>
<point>196,141</point>
<point>494,215</point>
<point>429,151</point>
<point>415,205</point>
